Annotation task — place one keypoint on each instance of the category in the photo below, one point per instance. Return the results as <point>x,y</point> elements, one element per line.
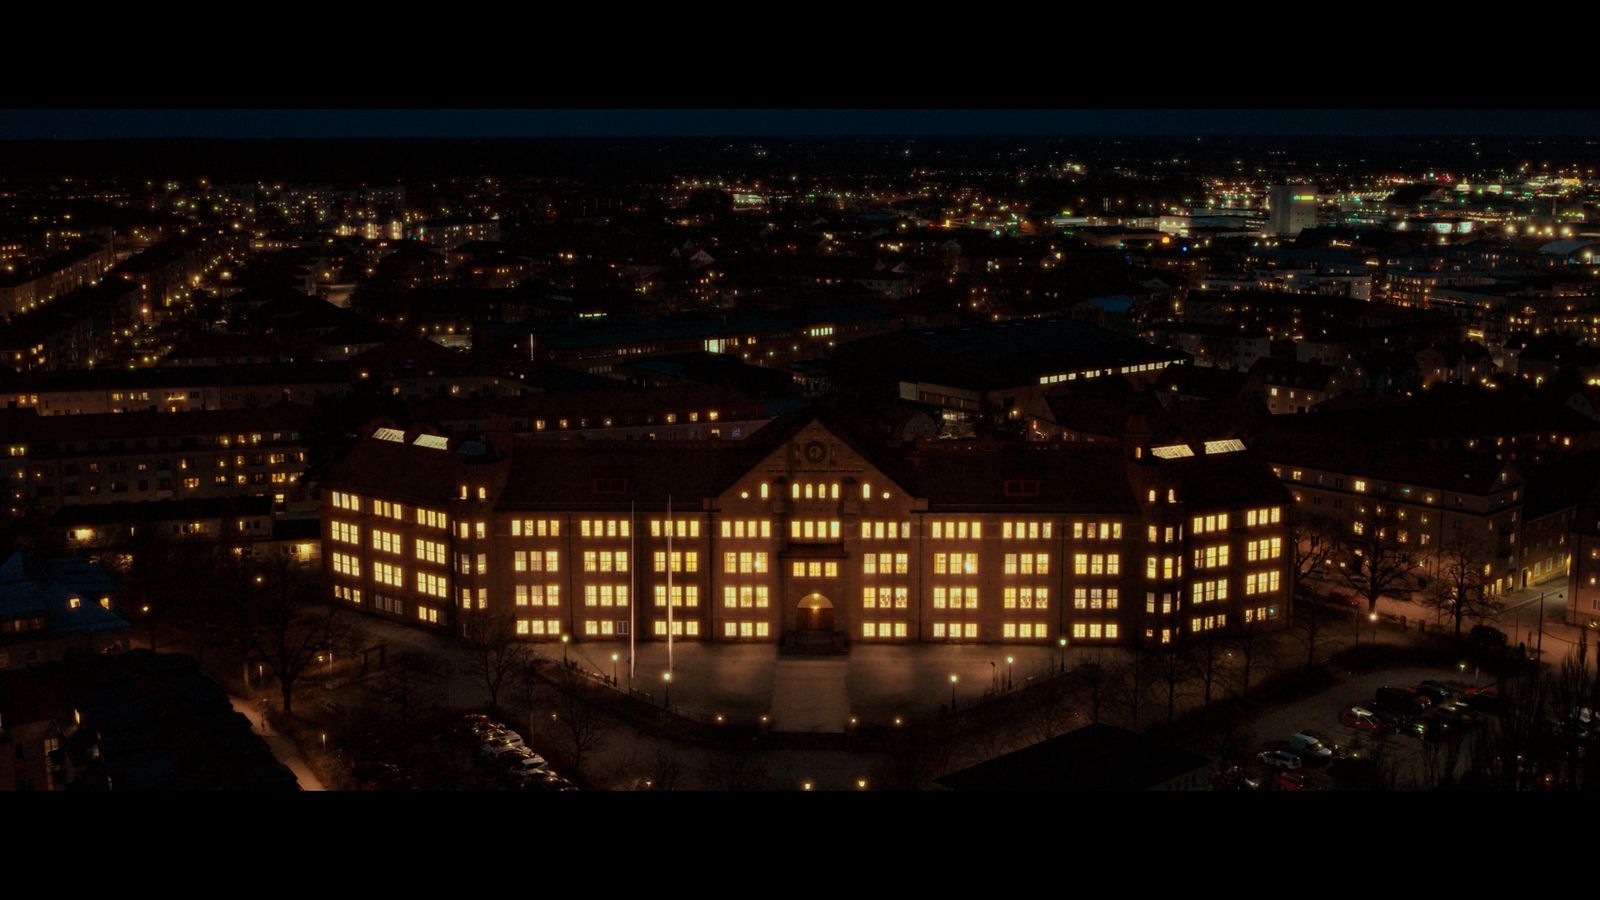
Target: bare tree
<point>1461,588</point>
<point>1379,556</point>
<point>1206,661</point>
<point>1172,667</point>
<point>1248,642</point>
<point>284,621</point>
<point>1313,539</point>
<point>1310,629</point>
<point>496,653</point>
<point>577,718</point>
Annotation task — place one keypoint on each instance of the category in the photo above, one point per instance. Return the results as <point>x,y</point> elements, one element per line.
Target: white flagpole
<point>633,580</point>
<point>669,588</point>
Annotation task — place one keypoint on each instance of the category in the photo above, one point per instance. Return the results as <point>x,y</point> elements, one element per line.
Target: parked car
<point>1309,748</point>
<point>1404,701</point>
<point>1437,691</point>
<point>503,753</point>
<point>1487,636</point>
<point>1339,750</point>
<point>1485,700</point>
<point>1295,781</point>
<point>1235,778</point>
<point>1279,759</point>
<point>1362,719</point>
<point>499,739</point>
<point>528,763</point>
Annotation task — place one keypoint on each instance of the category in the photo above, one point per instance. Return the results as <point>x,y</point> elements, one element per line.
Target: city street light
<point>614,658</point>
<point>667,677</point>
<point>564,639</point>
<point>1011,662</point>
<point>953,680</point>
<point>1062,643</point>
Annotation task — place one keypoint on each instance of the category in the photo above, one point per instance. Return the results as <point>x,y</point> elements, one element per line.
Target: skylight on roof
<point>432,442</point>
<point>1174,451</point>
<point>1231,445</point>
<point>390,434</point>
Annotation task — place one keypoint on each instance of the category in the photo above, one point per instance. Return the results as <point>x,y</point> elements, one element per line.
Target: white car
<point>1279,759</point>
<point>529,764</point>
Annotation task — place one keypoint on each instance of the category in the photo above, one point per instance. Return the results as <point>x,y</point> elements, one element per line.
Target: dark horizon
<point>569,124</point>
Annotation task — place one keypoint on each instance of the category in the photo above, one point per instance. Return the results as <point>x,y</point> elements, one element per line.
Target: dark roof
<point>162,510</point>
<point>995,355</point>
<point>1093,758</point>
<point>978,475</point>
<point>1402,463</point>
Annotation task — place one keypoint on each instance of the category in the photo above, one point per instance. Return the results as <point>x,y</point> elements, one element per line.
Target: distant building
<point>1291,209</point>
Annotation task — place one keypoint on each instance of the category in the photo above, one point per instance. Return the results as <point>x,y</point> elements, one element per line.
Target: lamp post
<point>1011,662</point>
<point>953,680</point>
<point>565,638</point>
<point>1062,643</point>
<point>667,699</point>
<point>614,658</point>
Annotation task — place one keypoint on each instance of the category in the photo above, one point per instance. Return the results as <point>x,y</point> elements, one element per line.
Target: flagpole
<point>669,588</point>
<point>633,580</point>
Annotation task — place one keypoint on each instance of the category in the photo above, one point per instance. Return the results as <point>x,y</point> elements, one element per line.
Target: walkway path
<point>283,746</point>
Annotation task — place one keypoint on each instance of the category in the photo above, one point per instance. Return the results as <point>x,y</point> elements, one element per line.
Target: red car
<point>1363,719</point>
<point>1294,781</point>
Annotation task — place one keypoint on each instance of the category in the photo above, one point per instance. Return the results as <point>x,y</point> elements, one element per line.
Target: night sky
<point>464,123</point>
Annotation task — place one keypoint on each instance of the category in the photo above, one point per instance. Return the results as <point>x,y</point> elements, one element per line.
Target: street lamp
<point>953,680</point>
<point>1011,662</point>
<point>564,639</point>
<point>667,677</point>
<point>1062,643</point>
<point>614,658</point>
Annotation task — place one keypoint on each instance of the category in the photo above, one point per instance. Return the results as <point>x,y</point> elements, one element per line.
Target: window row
<point>884,530</point>
<point>1094,631</point>
<point>744,562</point>
<point>885,597</point>
<point>956,531</point>
<point>536,561</point>
<point>1097,531</point>
<point>675,527</point>
<point>955,564</point>
<point>603,528</point>
<point>814,530</point>
<point>1094,598</point>
<point>681,561</point>
<point>605,595</point>
<point>682,595</point>
<point>1096,564</point>
<point>745,596</point>
<point>813,490</point>
<point>883,629</point>
<point>605,560</point>
<point>535,527</point>
<point>538,595</point>
<point>1025,531</point>
<point>1261,582</point>
<point>955,598</point>
<point>1026,597</point>
<point>1027,564</point>
<point>885,564</point>
<point>747,528</point>
<point>814,568</point>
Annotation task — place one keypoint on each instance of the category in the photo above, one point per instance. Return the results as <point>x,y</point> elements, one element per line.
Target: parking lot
<point>1404,756</point>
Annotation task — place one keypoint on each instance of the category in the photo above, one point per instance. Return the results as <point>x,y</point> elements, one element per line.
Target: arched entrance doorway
<point>815,614</point>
